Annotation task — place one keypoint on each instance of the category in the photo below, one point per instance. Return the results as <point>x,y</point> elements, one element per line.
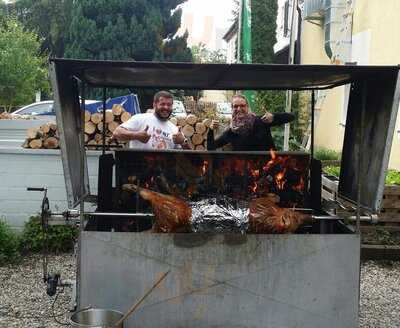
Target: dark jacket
<point>260,138</point>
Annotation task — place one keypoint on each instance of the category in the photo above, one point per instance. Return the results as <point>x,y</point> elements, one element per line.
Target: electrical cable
<point>53,310</point>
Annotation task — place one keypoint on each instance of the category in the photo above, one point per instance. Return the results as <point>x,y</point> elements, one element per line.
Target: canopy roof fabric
<point>122,74</point>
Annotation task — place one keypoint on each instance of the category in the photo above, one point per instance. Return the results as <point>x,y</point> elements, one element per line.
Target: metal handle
<point>35,189</point>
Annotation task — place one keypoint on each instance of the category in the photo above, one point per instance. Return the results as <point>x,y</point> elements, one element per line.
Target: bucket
<point>96,318</point>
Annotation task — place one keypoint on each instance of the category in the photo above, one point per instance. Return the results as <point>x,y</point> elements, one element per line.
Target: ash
<point>219,215</point>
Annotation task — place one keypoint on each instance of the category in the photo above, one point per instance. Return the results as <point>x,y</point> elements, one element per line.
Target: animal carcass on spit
<point>171,213</point>
<point>266,217</point>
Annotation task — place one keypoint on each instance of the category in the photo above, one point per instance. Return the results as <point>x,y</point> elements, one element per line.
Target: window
<point>39,109</point>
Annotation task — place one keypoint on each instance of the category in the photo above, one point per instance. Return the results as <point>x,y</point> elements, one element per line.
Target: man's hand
<point>142,136</point>
<point>267,117</point>
<point>178,138</point>
<point>214,125</point>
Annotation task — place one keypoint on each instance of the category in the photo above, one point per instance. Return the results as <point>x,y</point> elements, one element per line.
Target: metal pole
<point>239,38</point>
<point>360,154</point>
<point>104,120</point>
<point>312,122</point>
<point>82,203</point>
<point>289,93</point>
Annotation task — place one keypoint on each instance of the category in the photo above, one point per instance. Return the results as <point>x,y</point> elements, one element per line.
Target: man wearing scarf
<point>247,132</point>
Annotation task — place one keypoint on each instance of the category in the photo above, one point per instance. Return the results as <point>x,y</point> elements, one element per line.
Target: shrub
<point>60,238</point>
<point>393,177</point>
<point>9,244</point>
<point>323,154</point>
<point>332,170</point>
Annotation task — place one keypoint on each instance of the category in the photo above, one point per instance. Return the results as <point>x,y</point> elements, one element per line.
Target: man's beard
<point>161,117</point>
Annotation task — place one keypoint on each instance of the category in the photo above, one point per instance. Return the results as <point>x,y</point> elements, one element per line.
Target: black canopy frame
<point>373,104</point>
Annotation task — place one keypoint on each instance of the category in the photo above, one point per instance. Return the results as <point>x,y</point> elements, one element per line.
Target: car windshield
<point>39,109</point>
<point>224,108</point>
<point>178,107</point>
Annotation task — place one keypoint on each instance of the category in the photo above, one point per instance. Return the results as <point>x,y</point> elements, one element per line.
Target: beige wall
<point>376,41</point>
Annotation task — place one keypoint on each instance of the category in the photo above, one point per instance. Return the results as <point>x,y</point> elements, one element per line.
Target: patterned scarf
<point>242,124</point>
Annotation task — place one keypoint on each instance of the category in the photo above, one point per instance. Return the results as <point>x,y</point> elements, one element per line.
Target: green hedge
<point>13,245</point>
<point>392,176</point>
<point>9,244</point>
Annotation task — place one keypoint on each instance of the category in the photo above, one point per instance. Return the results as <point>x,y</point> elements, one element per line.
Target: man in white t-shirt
<point>153,130</point>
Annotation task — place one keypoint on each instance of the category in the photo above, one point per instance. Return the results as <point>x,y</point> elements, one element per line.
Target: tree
<point>127,29</point>
<point>50,20</point>
<point>203,55</point>
<point>22,69</point>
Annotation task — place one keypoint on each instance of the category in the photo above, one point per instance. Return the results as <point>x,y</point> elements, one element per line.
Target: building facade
<point>348,32</point>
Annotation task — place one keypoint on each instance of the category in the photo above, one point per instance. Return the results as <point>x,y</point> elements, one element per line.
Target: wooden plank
<point>391,190</point>
<point>327,195</point>
<point>333,185</point>
<point>392,202</point>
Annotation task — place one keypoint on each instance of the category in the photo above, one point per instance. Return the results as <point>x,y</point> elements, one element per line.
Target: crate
<point>390,206</point>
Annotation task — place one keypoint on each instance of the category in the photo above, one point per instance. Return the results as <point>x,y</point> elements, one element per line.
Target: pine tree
<point>126,30</point>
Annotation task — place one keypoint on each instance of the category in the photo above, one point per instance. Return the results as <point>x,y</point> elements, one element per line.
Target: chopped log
<point>117,109</point>
<point>50,143</point>
<point>98,137</point>
<point>181,121</point>
<point>188,131</point>
<point>33,133</point>
<point>53,126</point>
<point>125,116</point>
<point>191,119</point>
<point>26,144</point>
<point>200,147</point>
<point>200,128</point>
<point>100,126</point>
<point>96,118</point>
<point>109,116</point>
<point>92,142</point>
<point>112,126</point>
<point>35,143</point>
<point>45,128</point>
<point>207,122</point>
<point>90,128</point>
<point>197,139</point>
<point>87,116</point>
<point>174,120</point>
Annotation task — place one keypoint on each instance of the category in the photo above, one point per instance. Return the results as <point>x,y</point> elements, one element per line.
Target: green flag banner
<point>246,43</point>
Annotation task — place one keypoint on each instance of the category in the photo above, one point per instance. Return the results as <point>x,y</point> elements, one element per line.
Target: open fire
<point>193,177</point>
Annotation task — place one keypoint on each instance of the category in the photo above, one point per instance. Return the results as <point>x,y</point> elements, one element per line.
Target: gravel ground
<point>24,303</point>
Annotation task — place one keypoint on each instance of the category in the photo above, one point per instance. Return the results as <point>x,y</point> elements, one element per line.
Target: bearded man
<point>153,130</point>
<point>247,132</point>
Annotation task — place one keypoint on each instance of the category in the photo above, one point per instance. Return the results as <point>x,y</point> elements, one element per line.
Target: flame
<point>280,179</point>
<point>204,168</point>
<point>254,187</point>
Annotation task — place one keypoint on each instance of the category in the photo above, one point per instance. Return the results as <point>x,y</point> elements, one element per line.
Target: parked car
<point>45,110</point>
<point>224,110</point>
<point>178,109</point>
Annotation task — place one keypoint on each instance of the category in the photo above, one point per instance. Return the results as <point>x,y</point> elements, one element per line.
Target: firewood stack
<point>194,129</point>
<point>46,136</point>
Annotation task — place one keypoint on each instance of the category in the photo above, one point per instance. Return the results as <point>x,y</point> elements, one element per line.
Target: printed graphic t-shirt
<point>160,132</point>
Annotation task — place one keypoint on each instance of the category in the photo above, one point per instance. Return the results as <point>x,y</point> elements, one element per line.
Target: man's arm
<point>123,134</point>
<point>277,118</point>
<point>222,140</point>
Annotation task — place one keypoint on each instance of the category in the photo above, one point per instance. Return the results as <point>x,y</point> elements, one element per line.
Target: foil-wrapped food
<point>219,214</point>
